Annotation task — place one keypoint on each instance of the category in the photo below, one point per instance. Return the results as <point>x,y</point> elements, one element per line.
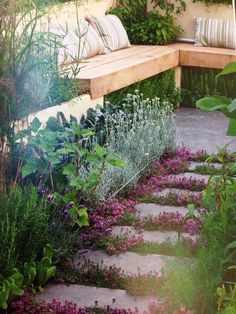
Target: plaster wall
<point>70,12</point>
<point>75,107</point>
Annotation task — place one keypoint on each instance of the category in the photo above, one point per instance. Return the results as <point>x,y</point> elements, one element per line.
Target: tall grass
<point>23,227</point>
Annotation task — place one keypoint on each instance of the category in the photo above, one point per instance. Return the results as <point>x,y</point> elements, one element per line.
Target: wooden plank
<point>125,63</point>
<point>108,82</point>
<point>100,60</point>
<point>204,57</point>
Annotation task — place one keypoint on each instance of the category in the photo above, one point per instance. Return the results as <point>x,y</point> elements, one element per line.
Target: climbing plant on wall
<point>156,26</point>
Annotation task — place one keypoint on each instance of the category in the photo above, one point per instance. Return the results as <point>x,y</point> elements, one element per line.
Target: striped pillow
<point>214,32</point>
<point>111,31</point>
<point>79,42</point>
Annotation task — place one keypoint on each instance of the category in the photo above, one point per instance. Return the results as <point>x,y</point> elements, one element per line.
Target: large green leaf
<point>93,158</point>
<point>87,132</point>
<point>69,170</point>
<point>92,180</point>
<point>83,220</point>
<point>83,152</point>
<point>35,125</point>
<point>115,162</point>
<point>228,69</point>
<point>28,169</point>
<point>4,293</point>
<point>48,251</point>
<point>211,103</point>
<point>232,106</point>
<point>65,151</point>
<point>101,151</point>
<point>231,128</point>
<point>77,183</point>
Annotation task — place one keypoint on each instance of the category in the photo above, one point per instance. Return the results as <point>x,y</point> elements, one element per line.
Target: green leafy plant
<point>149,27</point>
<point>35,273</point>
<point>48,153</point>
<point>10,287</point>
<point>45,268</point>
<point>224,104</point>
<point>161,86</point>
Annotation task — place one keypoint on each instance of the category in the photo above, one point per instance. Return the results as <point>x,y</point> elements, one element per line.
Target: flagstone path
<point>196,130</point>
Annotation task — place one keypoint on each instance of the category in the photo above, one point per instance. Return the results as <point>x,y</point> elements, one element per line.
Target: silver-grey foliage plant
<point>138,138</point>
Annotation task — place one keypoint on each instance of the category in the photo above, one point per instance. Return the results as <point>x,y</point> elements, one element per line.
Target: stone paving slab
<point>145,209</point>
<point>189,175</point>
<point>194,164</point>
<point>124,230</point>
<point>89,296</point>
<point>151,236</point>
<point>129,262</point>
<point>198,130</point>
<point>167,191</point>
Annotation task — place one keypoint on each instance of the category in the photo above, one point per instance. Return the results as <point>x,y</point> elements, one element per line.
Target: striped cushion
<point>111,31</point>
<point>214,32</point>
<point>79,42</point>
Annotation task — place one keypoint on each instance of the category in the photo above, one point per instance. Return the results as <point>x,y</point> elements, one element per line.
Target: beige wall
<point>69,12</point>
<point>75,107</point>
<point>198,9</point>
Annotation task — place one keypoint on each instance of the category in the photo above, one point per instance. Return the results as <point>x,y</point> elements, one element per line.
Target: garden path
<point>196,130</point>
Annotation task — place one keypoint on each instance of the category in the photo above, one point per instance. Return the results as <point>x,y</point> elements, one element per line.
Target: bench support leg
<point>177,71</point>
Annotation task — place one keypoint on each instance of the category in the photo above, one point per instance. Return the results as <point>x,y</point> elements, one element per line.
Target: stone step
<point>147,209</point>
<point>189,175</point>
<point>167,191</point>
<point>92,296</point>
<point>194,164</point>
<point>151,236</point>
<point>129,262</point>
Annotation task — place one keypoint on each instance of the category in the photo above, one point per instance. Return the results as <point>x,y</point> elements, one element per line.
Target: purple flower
<point>51,197</point>
<point>42,190</point>
<point>71,204</point>
<point>64,191</point>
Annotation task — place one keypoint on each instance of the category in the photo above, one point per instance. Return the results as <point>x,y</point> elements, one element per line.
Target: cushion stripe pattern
<point>78,42</point>
<point>214,33</point>
<point>111,31</point>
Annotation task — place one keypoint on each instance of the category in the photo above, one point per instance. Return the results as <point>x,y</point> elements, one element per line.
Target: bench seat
<point>204,57</point>
<point>103,74</point>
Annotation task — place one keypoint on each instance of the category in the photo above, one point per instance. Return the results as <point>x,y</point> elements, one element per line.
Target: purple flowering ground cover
<point>120,210</point>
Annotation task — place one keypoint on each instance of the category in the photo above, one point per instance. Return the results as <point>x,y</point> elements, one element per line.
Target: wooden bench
<point>103,74</point>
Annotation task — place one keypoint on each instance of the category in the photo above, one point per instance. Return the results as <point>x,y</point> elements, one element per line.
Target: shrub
<point>149,27</point>
<point>138,138</point>
<point>23,224</point>
<point>161,86</point>
<point>197,83</point>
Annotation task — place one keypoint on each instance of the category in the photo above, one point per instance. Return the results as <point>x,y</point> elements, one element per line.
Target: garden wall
<point>75,107</point>
<point>68,13</point>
